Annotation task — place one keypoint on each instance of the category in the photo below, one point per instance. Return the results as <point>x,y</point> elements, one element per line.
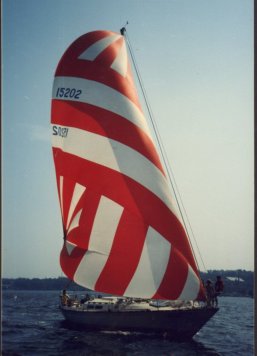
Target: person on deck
<point>209,293</point>
<point>218,289</point>
<point>65,298</point>
<point>85,299</point>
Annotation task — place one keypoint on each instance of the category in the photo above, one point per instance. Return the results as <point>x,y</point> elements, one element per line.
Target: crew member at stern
<point>218,287</point>
<point>65,298</point>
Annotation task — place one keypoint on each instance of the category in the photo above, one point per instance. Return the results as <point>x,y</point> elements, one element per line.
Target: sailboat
<point>122,234</point>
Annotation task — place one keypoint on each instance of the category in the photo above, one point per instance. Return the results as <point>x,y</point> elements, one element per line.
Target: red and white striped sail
<point>122,235</point>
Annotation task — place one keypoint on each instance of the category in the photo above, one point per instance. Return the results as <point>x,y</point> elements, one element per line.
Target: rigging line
<point>176,191</point>
<point>188,221</point>
<point>163,153</point>
<point>183,207</point>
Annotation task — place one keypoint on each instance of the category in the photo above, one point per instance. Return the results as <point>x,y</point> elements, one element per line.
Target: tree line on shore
<point>237,282</point>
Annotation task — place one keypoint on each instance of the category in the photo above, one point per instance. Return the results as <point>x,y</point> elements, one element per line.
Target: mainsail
<point>121,232</point>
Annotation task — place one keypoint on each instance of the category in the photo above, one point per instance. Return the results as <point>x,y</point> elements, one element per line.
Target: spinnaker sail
<point>121,232</point>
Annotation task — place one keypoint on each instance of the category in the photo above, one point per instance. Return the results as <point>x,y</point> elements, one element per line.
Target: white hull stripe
<point>117,156</point>
<point>191,287</point>
<point>99,46</point>
<point>102,96</point>
<point>151,267</point>
<point>101,239</point>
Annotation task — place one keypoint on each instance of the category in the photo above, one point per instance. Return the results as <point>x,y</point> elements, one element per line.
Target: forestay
<point>121,232</point>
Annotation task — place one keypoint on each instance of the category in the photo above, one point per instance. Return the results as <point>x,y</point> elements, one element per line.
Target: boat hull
<point>179,324</point>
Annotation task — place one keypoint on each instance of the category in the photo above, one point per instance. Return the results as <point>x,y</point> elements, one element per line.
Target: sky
<point>196,62</point>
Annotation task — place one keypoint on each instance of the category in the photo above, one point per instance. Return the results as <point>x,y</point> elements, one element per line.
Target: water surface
<point>33,325</point>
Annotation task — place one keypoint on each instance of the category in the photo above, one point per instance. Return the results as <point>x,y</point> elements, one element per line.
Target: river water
<point>33,325</point>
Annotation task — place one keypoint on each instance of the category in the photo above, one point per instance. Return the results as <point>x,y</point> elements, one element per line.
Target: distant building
<point>235,279</point>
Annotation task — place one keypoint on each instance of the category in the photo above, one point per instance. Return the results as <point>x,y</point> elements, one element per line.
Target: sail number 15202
<point>68,93</point>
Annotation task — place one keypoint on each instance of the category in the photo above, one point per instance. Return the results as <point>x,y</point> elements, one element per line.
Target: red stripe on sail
<point>100,179</point>
<point>161,218</point>
<point>92,72</point>
<point>176,274</point>
<point>130,194</point>
<point>67,191</point>
<point>202,293</point>
<point>108,55</point>
<point>81,44</point>
<point>125,254</point>
<point>69,263</point>
<point>71,66</point>
<point>105,123</point>
<point>80,236</point>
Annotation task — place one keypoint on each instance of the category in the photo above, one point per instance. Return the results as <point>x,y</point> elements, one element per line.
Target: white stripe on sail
<point>102,96</point>
<point>120,63</point>
<point>151,267</point>
<point>77,194</point>
<point>75,221</point>
<point>117,156</point>
<point>191,287</point>
<point>104,228</point>
<point>61,193</point>
<point>95,49</point>
<point>69,246</point>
